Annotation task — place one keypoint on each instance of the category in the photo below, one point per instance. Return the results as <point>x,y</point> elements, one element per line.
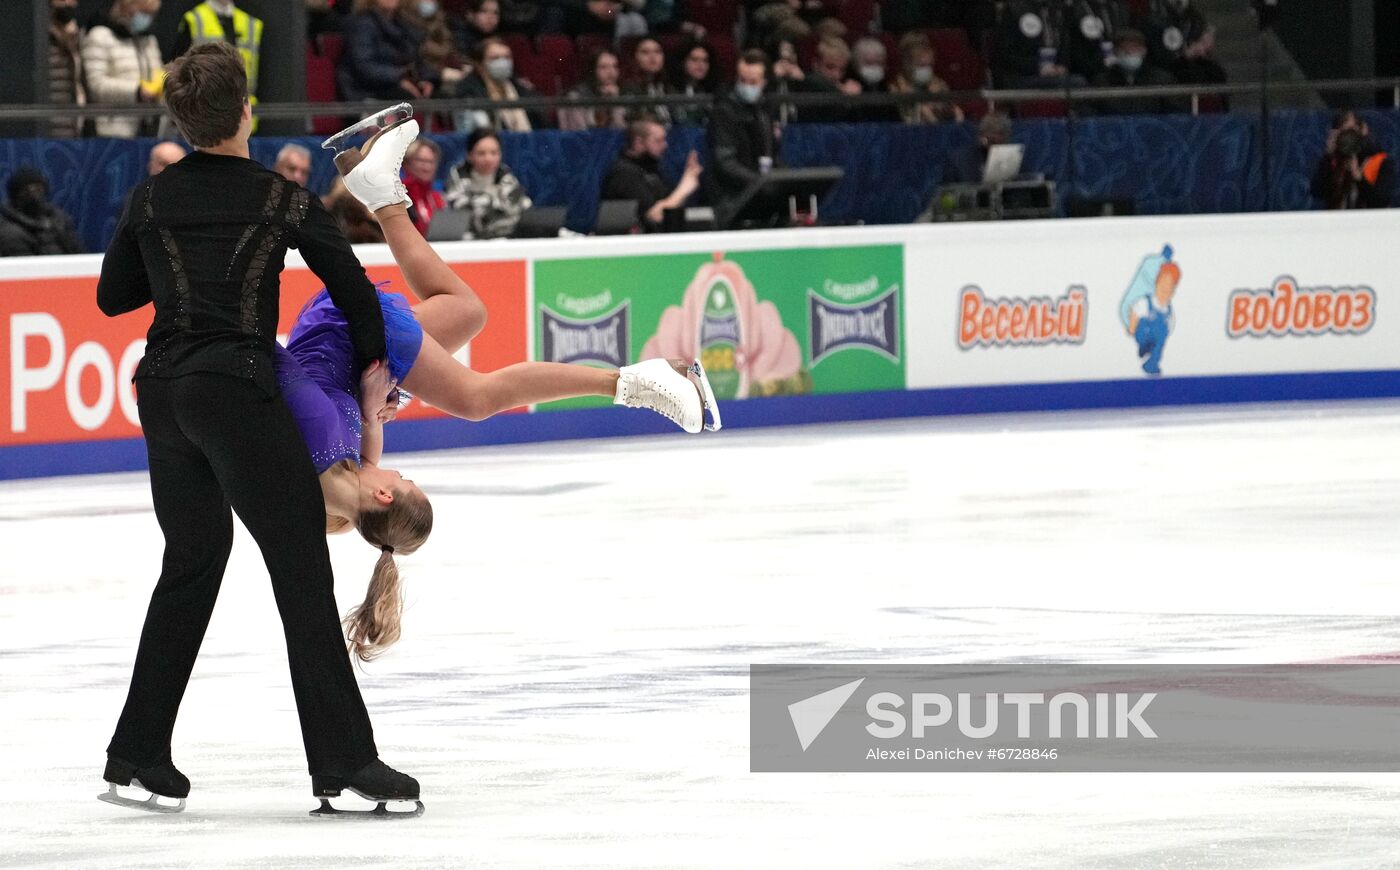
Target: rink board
<point>810,326</point>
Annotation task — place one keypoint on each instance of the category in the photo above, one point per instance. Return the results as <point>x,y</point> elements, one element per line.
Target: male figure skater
<point>205,242</point>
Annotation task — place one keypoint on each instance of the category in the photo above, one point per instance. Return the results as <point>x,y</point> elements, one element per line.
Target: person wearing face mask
<point>916,76</point>
<point>743,138</point>
<point>439,51</point>
<point>216,20</point>
<point>1180,41</point>
<point>65,67</point>
<point>383,56</point>
<point>870,60</point>
<point>493,78</point>
<point>121,65</point>
<point>1130,69</point>
<point>29,224</point>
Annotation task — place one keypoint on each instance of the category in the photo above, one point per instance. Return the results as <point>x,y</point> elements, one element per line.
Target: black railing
<point>993,98</point>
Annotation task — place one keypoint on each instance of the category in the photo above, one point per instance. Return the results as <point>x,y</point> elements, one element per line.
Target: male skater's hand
<point>375,386</point>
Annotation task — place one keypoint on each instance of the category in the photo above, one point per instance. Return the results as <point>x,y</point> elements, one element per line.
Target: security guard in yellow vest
<point>215,20</point>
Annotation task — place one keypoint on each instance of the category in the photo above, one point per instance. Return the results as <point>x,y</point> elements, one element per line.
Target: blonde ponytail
<point>374,626</point>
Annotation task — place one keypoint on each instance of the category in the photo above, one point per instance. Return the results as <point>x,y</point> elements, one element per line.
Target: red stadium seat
<point>956,61</point>
<point>585,44</point>
<point>563,60</point>
<point>331,46</point>
<point>716,16</point>
<point>320,88</point>
<point>519,45</point>
<point>857,15</point>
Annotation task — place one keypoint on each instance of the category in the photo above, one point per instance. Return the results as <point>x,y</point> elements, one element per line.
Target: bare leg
<point>449,310</point>
<point>446,384</point>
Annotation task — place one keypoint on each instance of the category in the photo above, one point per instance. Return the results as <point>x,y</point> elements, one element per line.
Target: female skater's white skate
<point>659,385</point>
<point>371,168</point>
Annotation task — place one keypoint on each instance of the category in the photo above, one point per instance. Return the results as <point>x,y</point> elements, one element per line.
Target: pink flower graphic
<point>767,350</point>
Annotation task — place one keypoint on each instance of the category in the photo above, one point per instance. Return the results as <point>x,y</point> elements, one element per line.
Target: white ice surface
<point>571,688</point>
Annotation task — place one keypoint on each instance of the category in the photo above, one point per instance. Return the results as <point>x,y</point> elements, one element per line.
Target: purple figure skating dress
<point>316,372</point>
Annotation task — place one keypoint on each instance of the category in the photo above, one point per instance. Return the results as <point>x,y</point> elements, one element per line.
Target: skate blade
<point>707,396</point>
<point>381,120</point>
<point>379,813</point>
<point>151,804</point>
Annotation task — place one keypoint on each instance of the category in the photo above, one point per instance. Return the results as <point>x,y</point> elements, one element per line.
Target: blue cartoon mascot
<point>1146,309</point>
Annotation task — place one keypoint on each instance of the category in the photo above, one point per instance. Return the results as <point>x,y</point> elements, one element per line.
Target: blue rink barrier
<point>444,434</point>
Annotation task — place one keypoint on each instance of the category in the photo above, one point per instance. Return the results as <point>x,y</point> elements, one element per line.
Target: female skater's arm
<point>375,386</point>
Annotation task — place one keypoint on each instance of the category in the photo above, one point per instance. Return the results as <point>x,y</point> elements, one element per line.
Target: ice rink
<point>571,689</point>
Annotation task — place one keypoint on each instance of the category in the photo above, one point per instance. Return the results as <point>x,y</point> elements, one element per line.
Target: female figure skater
<point>341,416</point>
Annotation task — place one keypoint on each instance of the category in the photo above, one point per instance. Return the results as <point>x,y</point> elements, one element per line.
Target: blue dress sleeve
<point>329,420</point>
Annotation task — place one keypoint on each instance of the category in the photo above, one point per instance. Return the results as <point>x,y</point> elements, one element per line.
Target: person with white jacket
<point>121,61</point>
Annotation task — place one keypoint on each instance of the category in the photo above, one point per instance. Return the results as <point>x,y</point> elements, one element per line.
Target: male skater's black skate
<point>159,781</point>
<point>377,782</point>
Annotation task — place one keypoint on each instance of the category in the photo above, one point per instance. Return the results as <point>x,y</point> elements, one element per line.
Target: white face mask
<point>500,68</point>
<point>872,74</point>
<point>141,22</point>
<point>1130,63</point>
<point>923,75</point>
<point>427,8</point>
<point>748,93</point>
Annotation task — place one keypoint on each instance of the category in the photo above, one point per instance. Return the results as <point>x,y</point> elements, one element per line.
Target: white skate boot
<point>371,171</point>
<point>681,398</point>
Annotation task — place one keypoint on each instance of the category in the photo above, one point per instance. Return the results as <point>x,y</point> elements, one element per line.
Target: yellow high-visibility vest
<point>203,25</point>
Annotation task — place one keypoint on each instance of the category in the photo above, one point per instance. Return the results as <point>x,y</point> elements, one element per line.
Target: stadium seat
<point>1042,109</point>
<point>857,15</point>
<point>331,46</point>
<point>726,53</point>
<point>320,88</point>
<point>716,16</point>
<point>955,59</point>
<point>563,60</point>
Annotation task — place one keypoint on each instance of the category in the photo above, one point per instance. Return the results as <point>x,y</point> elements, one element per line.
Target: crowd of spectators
<point>491,50</point>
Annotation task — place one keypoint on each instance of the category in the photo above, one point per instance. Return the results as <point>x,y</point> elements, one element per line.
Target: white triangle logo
<point>810,716</point>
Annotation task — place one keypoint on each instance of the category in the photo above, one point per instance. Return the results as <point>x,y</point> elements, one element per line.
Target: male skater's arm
<point>329,255</point>
<point>123,285</point>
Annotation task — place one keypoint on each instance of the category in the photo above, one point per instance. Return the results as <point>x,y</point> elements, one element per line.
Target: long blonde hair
<point>401,527</point>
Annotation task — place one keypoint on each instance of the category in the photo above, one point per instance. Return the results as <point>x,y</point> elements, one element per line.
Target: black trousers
<point>215,442</point>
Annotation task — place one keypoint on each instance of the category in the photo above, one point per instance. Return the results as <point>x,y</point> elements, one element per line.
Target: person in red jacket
<point>420,166</point>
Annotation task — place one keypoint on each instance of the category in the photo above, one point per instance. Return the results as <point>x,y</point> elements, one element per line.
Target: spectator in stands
<point>649,78</point>
<point>486,188</point>
<point>786,76</point>
<point>916,76</point>
<point>162,155</point>
<point>1032,50</point>
<point>420,166</point>
<point>637,175</point>
<point>493,78</point>
<point>694,74</point>
<point>29,225</point>
<point>358,225</point>
<point>967,165</point>
<point>324,16</point>
<point>1180,41</point>
<point>830,74</point>
<point>65,67</point>
<point>439,51</point>
<point>1355,172</point>
<point>294,163</point>
<point>601,81</point>
<point>121,62</point>
<point>743,139</point>
<point>870,63</point>
<point>1091,27</point>
<point>215,20</point>
<point>383,56</point>
<point>1131,69</point>
<point>785,19</point>
<point>482,19</point>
